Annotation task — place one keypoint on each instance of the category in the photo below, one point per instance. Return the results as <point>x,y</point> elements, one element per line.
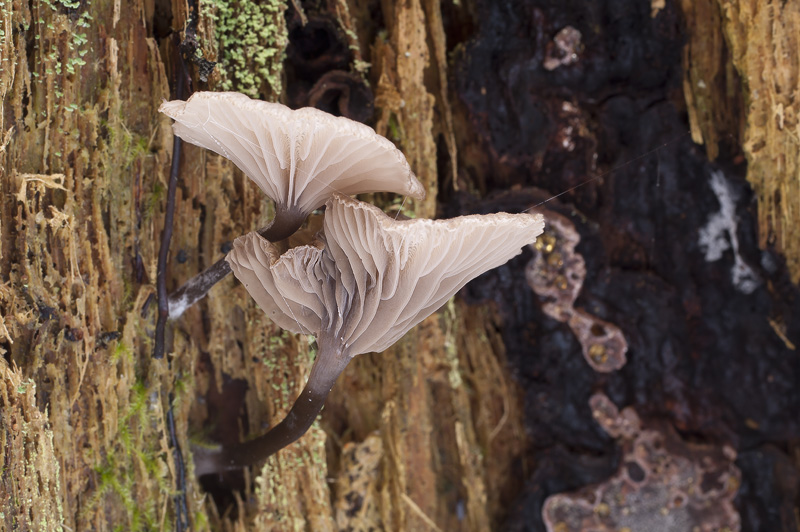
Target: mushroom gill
<point>366,282</point>
<point>298,158</point>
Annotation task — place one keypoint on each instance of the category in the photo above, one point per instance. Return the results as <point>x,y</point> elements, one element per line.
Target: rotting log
<point>85,159</point>
<point>422,437</point>
<point>741,81</point>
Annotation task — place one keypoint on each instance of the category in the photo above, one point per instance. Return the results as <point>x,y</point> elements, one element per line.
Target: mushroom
<point>296,157</point>
<point>366,282</point>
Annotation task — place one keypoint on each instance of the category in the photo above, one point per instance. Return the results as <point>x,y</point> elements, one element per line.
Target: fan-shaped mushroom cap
<point>297,158</point>
<point>371,278</point>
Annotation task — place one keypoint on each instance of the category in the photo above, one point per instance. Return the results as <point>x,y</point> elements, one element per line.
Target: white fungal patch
<point>719,235</point>
<point>178,306</point>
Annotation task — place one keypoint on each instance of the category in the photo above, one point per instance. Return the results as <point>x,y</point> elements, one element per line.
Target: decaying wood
<point>742,73</point>
<point>85,160</point>
<point>426,436</point>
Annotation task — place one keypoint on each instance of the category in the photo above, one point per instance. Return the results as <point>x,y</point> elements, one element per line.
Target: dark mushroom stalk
<point>332,359</point>
<point>298,158</point>
<point>366,282</point>
<point>285,223</point>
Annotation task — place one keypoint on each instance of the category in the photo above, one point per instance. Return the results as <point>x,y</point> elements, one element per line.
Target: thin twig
<point>181,507</point>
<point>166,233</point>
<point>166,236</point>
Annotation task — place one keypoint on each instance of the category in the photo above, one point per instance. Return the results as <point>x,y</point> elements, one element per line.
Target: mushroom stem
<point>284,225</point>
<point>331,361</point>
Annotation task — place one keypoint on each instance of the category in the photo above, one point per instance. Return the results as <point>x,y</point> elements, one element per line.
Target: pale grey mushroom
<point>366,282</point>
<point>298,158</point>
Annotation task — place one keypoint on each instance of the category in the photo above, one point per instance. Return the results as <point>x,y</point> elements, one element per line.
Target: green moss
<point>121,483</point>
<point>393,125</point>
<point>200,521</point>
<point>117,474</point>
<point>137,411</point>
<point>131,146</point>
<point>182,388</point>
<point>154,200</point>
<point>252,38</point>
<point>121,350</point>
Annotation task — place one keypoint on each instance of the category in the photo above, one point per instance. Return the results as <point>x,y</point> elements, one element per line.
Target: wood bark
<point>411,435</point>
<point>740,84</point>
<point>426,436</point>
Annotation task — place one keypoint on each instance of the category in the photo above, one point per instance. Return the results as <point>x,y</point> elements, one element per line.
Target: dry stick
<point>331,361</point>
<point>166,236</point>
<point>179,499</point>
<point>285,223</point>
<point>181,508</point>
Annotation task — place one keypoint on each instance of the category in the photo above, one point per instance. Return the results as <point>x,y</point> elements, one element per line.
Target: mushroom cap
<point>296,157</point>
<point>370,279</point>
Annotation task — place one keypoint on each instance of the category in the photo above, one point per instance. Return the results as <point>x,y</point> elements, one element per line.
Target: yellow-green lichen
<point>59,59</point>
<point>252,38</point>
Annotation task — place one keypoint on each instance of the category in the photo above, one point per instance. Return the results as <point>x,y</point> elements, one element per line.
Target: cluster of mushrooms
<point>367,278</point>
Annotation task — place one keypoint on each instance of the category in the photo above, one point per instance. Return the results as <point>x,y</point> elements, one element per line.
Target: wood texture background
<point>426,436</point>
